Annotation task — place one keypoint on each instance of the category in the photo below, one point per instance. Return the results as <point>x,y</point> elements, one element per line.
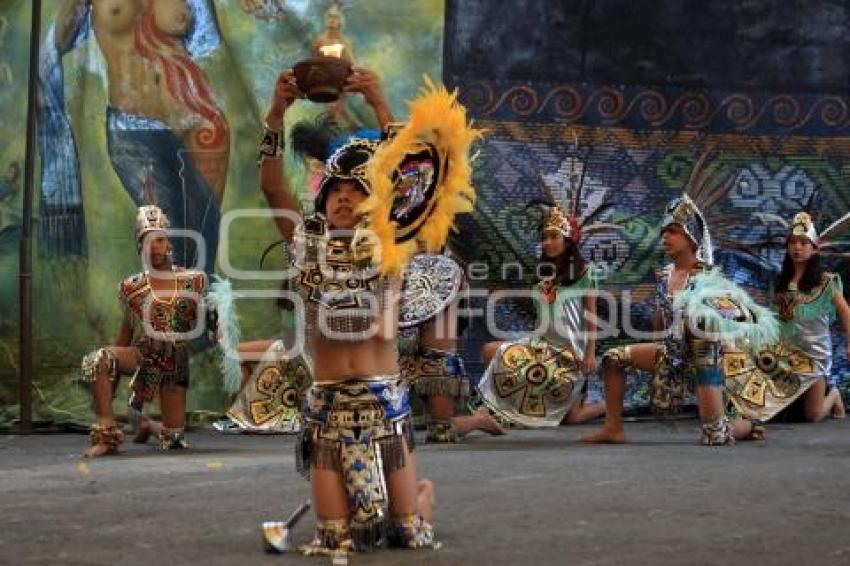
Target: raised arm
<point>272,181</point>
<point>367,83</point>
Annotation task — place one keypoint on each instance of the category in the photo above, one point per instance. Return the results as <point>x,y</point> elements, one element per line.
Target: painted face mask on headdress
<point>150,218</point>
<point>421,178</point>
<point>416,181</point>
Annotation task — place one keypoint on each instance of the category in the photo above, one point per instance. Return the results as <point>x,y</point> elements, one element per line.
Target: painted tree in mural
<point>161,115</point>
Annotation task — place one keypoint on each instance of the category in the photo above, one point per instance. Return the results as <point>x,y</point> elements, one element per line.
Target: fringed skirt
<point>358,428</point>
<point>433,372</point>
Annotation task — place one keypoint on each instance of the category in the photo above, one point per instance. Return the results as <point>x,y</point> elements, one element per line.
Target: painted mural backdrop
<point>631,93</point>
<point>172,93</point>
<point>628,92</point>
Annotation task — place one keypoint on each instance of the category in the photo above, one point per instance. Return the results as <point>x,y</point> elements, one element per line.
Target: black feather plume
<point>312,138</point>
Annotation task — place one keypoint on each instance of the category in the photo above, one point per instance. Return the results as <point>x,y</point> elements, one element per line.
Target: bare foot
<point>606,434</point>
<point>485,421</point>
<point>105,439</point>
<point>147,428</point>
<point>747,429</point>
<point>95,451</point>
<point>481,420</point>
<point>757,432</point>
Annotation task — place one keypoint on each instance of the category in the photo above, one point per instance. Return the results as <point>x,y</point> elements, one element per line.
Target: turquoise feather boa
<point>220,298</point>
<point>763,329</point>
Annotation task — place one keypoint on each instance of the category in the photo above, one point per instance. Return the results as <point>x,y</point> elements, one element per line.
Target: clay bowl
<point>321,78</point>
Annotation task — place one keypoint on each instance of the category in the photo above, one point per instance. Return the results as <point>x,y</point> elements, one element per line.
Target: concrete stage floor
<point>533,497</point>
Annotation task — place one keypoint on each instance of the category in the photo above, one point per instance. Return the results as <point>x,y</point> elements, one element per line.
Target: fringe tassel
<point>453,387</point>
<point>392,453</point>
<point>303,452</point>
<point>320,453</point>
<point>369,535</point>
<point>407,432</point>
<point>324,455</point>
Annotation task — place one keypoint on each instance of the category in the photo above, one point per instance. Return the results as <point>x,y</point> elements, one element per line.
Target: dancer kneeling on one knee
<point>357,442</point>
<point>694,300</point>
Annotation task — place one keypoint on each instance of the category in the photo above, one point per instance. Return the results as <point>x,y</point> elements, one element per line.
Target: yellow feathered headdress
<point>420,179</point>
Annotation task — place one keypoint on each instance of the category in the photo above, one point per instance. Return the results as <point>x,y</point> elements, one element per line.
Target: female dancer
<point>808,299</point>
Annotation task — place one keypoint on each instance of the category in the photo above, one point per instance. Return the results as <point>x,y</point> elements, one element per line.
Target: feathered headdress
<point>344,155</point>
<point>776,232</point>
<point>564,215</point>
<point>421,178</point>
<point>803,225</point>
<point>149,217</point>
<point>705,187</point>
<point>221,300</point>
